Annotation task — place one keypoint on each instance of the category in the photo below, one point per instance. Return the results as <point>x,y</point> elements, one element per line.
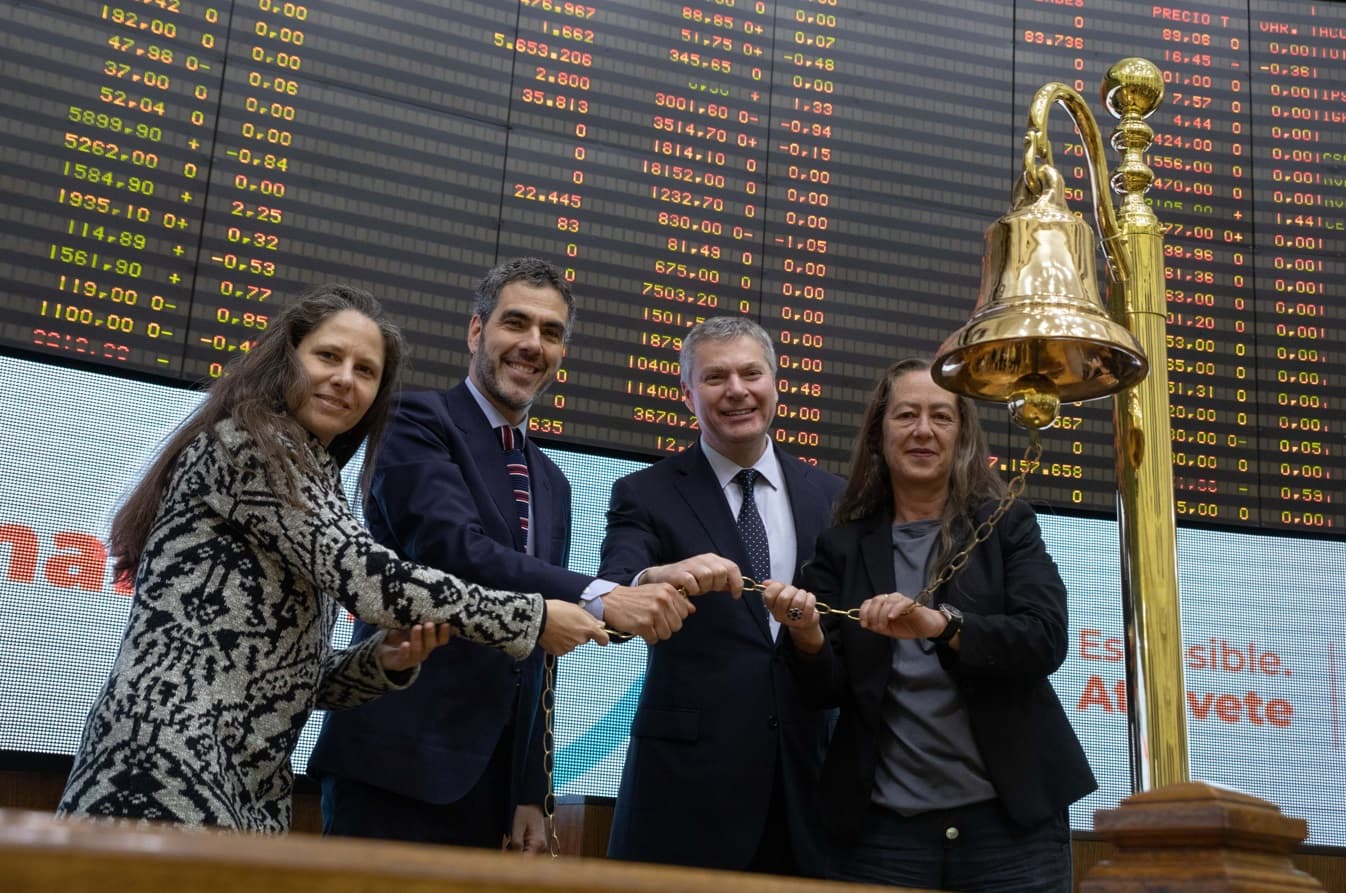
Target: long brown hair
<point>869,491</point>
<point>256,391</point>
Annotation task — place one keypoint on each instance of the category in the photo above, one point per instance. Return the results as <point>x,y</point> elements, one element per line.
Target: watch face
<point>955,618</point>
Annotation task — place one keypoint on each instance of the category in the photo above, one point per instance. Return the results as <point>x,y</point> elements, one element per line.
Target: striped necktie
<point>517,466</point>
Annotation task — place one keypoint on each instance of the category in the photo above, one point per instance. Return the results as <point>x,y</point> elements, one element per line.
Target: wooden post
<point>1195,837</point>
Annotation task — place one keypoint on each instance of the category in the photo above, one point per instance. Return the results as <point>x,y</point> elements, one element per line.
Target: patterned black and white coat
<point>226,650</point>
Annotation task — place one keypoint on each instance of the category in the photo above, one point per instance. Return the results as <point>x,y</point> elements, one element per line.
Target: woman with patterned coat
<point>244,552</point>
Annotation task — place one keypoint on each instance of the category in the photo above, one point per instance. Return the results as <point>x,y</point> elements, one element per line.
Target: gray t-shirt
<point>927,756</point>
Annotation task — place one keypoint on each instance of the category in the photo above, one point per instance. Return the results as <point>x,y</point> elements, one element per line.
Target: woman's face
<point>344,361</point>
<point>920,431</point>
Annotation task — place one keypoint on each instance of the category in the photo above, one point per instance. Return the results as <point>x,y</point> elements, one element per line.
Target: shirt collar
<point>492,414</point>
<point>767,465</point>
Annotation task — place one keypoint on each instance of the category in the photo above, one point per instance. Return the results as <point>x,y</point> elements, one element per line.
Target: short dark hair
<point>533,270</point>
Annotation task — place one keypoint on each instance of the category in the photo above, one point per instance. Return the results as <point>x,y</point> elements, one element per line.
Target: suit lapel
<point>484,446</point>
<point>872,650</point>
<point>811,514</point>
<point>876,548</point>
<point>702,492</point>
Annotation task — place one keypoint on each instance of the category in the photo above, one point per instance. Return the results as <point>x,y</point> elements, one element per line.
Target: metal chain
<point>1014,489</point>
<point>549,755</point>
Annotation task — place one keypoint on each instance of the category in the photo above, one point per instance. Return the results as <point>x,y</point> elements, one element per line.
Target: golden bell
<point>1039,334</point>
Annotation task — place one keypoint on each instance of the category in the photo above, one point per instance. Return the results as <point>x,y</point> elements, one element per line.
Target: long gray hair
<point>972,481</point>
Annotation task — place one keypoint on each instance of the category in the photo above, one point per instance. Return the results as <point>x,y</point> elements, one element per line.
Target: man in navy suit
<point>457,758</point>
<point>723,761</point>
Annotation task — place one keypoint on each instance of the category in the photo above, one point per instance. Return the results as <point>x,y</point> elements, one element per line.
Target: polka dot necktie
<point>517,466</point>
<point>750,527</point>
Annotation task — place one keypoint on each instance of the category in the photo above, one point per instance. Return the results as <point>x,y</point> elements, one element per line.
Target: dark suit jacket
<point>1014,636</point>
<point>719,707</point>
<point>440,496</point>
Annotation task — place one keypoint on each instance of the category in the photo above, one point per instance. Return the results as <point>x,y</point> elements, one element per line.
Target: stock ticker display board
<point>175,169</point>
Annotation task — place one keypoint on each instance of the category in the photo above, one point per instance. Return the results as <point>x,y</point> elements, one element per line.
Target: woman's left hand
<point>402,649</point>
<point>898,617</point>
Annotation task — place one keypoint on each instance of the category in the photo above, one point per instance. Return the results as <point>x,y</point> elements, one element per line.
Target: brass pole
<point>1156,691</point>
<point>1133,242</point>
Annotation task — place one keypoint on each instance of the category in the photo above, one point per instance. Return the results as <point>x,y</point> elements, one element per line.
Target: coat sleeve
<point>352,676</point>
<point>1027,639</point>
<point>321,541</point>
<point>631,543</point>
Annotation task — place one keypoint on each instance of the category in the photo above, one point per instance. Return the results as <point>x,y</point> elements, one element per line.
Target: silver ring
<point>795,614</point>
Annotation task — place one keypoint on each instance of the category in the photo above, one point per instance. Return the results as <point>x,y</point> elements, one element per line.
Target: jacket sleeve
<point>630,544</point>
<point>322,542</point>
<point>1026,641</point>
<point>352,676</point>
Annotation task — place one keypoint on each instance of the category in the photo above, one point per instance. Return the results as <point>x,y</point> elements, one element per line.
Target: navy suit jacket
<point>1015,634</point>
<point>440,496</point>
<point>719,709</point>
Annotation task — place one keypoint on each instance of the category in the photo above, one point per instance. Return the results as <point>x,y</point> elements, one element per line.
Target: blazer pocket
<point>675,725</point>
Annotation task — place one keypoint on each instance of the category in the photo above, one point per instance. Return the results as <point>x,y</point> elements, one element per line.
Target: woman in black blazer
<point>952,763</point>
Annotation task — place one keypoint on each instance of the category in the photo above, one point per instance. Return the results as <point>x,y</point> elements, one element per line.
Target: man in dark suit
<point>723,761</point>
<point>457,758</point>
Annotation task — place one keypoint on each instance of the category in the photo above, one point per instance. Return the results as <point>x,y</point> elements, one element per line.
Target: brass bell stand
<point>1195,837</point>
<point>1040,335</point>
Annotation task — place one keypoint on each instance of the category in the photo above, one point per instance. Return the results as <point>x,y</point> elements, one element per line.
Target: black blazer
<point>719,708</point>
<point>1014,636</point>
<point>441,496</point>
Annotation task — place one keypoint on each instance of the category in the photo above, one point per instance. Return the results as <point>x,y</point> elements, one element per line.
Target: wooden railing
<point>1186,837</point>
<point>42,854</point>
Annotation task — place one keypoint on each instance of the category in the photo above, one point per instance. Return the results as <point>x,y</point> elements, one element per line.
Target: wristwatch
<point>955,618</point>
